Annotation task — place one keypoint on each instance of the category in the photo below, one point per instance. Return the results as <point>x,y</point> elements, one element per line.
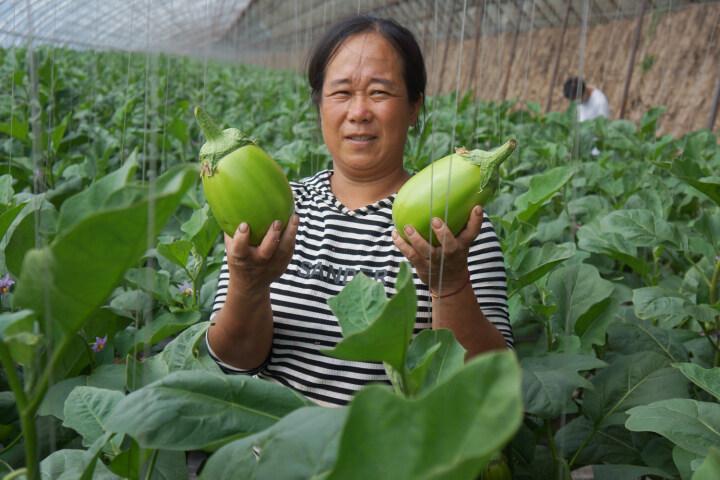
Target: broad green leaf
<point>177,251</point>
<point>687,170</point>
<point>17,128</point>
<point>580,294</point>
<point>111,377</point>
<point>12,323</point>
<point>302,444</point>
<point>156,282</point>
<point>190,410</point>
<point>706,378</point>
<point>71,465</point>
<point>450,432</point>
<point>31,227</point>
<point>632,337</point>
<point>692,425</point>
<point>155,331</point>
<point>70,278</point>
<point>710,468</point>
<point>594,239</point>
<point>612,444</point>
<point>639,227</point>
<point>433,356</point>
<point>202,229</point>
<point>683,460</point>
<point>183,353</point>
<point>614,472</point>
<point>140,373</point>
<point>629,381</point>
<point>533,263</point>
<point>550,380</point>
<point>7,217</point>
<point>87,202</point>
<point>374,328</point>
<point>87,409</point>
<point>542,188</point>
<point>663,306</point>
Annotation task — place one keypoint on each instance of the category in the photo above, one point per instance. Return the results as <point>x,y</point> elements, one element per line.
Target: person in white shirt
<point>592,102</point>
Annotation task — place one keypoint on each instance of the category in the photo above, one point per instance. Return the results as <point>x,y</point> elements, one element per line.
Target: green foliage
<point>612,258</point>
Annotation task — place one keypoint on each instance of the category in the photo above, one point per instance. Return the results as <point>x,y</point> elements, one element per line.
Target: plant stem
<point>41,387</point>
<point>27,418</point>
<point>714,283</point>
<point>153,459</point>
<point>551,440</point>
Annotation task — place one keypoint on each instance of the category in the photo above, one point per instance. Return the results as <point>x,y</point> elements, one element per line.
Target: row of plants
<point>110,261</point>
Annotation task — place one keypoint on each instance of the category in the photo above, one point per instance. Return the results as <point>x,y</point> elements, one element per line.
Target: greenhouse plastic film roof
<point>168,25</point>
<point>224,27</point>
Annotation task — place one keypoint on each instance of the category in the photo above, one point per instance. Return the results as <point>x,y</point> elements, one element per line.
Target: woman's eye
<point>340,94</point>
<point>379,93</point>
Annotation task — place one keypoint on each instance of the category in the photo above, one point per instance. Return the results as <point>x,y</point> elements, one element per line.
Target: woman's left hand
<point>426,259</point>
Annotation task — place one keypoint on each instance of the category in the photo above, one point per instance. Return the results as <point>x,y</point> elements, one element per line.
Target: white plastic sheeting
<point>181,26</point>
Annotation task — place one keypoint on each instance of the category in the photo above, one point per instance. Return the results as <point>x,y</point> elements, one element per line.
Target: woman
<point>271,317</point>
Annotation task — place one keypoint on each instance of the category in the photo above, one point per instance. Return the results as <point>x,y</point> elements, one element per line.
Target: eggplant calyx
<point>490,160</point>
<point>219,142</point>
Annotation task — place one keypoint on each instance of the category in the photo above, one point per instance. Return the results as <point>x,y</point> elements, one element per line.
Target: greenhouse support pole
<point>448,36</point>
<point>633,53</point>
<point>715,105</point>
<point>476,46</point>
<point>556,67</point>
<point>506,83</point>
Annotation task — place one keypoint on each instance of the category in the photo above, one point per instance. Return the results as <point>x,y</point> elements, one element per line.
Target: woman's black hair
<point>574,88</point>
<point>400,37</point>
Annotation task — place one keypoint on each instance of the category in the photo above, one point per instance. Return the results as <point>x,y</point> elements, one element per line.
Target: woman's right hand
<point>253,269</point>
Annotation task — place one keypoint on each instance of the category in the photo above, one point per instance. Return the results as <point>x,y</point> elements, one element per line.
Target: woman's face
<point>364,107</point>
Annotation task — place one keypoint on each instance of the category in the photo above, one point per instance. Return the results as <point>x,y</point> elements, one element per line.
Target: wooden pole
<point>633,53</point>
<point>448,36</point>
<point>476,46</point>
<point>556,67</point>
<point>513,48</point>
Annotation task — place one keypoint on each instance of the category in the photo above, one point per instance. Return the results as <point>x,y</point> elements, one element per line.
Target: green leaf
<point>692,425</point>
<point>155,331</point>
<point>156,282</point>
<point>613,472</point>
<point>202,229</point>
<point>550,380</point>
<point>450,432</point>
<point>374,328</point>
<point>191,410</point>
<point>140,373</point>
<point>69,279</point>
<point>183,353</point>
<point>71,465</point>
<point>433,356</point>
<point>87,409</point>
<point>110,377</point>
<point>687,170</point>
<point>87,202</point>
<point>706,378</point>
<point>710,468</point>
<point>630,381</point>
<point>302,444</point>
<point>177,251</point>
<point>542,188</point>
<point>580,294</point>
<point>533,263</point>
<point>633,337</point>
<point>663,306</point>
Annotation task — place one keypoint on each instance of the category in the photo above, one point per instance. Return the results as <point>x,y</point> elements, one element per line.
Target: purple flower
<point>186,289</point>
<point>98,344</point>
<point>5,283</point>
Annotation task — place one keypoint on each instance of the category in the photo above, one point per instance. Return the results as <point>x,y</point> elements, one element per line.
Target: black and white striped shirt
<point>332,244</point>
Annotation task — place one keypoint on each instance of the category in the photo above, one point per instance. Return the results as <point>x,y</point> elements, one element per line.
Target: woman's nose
<point>358,109</point>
